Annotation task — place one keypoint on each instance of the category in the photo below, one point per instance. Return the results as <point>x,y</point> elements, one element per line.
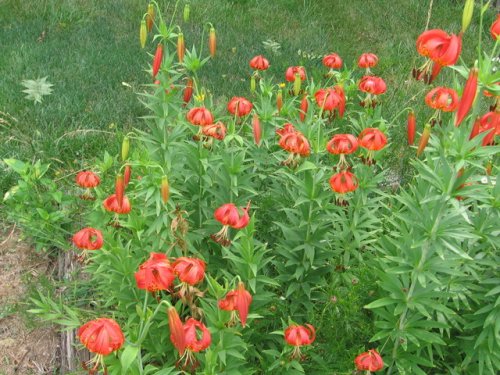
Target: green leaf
<point>128,356</point>
<point>381,302</point>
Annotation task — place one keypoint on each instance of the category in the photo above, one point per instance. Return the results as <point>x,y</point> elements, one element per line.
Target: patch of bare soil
<point>24,350</point>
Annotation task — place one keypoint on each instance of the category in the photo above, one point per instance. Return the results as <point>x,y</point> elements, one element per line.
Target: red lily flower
<point>189,270</point>
<point>441,48</point>
<point>237,300</point>
<point>111,205</point>
<point>372,139</point>
<point>343,182</point>
<point>229,216</point>
<point>287,128</point>
<point>217,130</point>
<point>298,336</point>
<point>155,274</point>
<point>88,239</point>
<point>372,85</point>
<point>468,96</point>
<point>489,122</point>
<point>292,71</point>
<point>200,116</point>
<point>191,334</point>
<point>332,61</point>
<point>87,179</point>
<point>259,62</point>
<point>367,60</point>
<point>442,99</point>
<point>239,106</point>
<point>369,361</point>
<point>331,99</point>
<point>295,143</point>
<point>101,336</point>
<point>342,144</point>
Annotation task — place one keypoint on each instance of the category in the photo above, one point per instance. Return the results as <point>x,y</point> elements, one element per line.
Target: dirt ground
<point>25,348</point>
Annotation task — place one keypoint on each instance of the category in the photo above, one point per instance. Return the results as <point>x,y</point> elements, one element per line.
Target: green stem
<point>415,272</point>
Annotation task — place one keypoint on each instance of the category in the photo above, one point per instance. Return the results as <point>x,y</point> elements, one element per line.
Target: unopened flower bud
<point>186,12</point>
<point>143,33</point>
<point>125,147</point>
<point>467,14</point>
<point>424,139</point>
<point>165,189</point>
<point>180,47</point>
<point>252,84</point>
<point>119,189</point>
<point>150,16</point>
<point>212,41</point>
<point>297,83</point>
<point>279,100</point>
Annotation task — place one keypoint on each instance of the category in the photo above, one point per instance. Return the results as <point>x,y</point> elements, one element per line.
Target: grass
<point>89,48</point>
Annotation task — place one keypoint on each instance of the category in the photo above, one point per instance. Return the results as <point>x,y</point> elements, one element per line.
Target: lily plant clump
<point>218,241</point>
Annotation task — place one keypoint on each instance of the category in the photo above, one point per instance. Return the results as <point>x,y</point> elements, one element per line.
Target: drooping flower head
<point>295,70</point>
<point>372,139</point>
<point>259,62</point>
<point>237,300</point>
<point>490,123</point>
<point>441,48</point>
<point>200,116</point>
<point>155,274</point>
<point>239,106</point>
<point>87,179</point>
<point>189,270</point>
<point>101,336</point>
<point>372,85</point>
<point>367,60</point>
<point>229,216</point>
<point>295,143</point>
<point>342,144</point>
<point>343,182</point>
<point>442,99</point>
<point>111,205</point>
<point>369,361</point>
<point>331,99</point>
<point>217,130</point>
<point>197,336</point>
<point>297,336</point>
<point>88,239</point>
<point>332,61</point>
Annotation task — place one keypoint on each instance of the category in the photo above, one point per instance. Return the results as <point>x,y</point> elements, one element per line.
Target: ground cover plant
<point>263,233</point>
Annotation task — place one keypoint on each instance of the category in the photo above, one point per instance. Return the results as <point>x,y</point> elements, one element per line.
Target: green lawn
<point>91,48</point>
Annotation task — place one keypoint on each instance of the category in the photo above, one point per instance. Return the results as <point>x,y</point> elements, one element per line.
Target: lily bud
<point>411,127</point>
<point>468,96</point>
<point>279,100</point>
<point>180,47</point>
<point>212,41</point>
<point>150,17</point>
<point>157,59</point>
<point>188,91</point>
<point>165,189</point>
<point>186,12</point>
<point>304,105</point>
<point>424,139</point>
<point>119,189</point>
<point>257,131</point>
<point>467,15</point>
<point>252,84</point>
<point>125,147</point>
<point>488,168</point>
<point>126,175</point>
<point>296,84</point>
<point>143,33</point>
<point>475,128</point>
